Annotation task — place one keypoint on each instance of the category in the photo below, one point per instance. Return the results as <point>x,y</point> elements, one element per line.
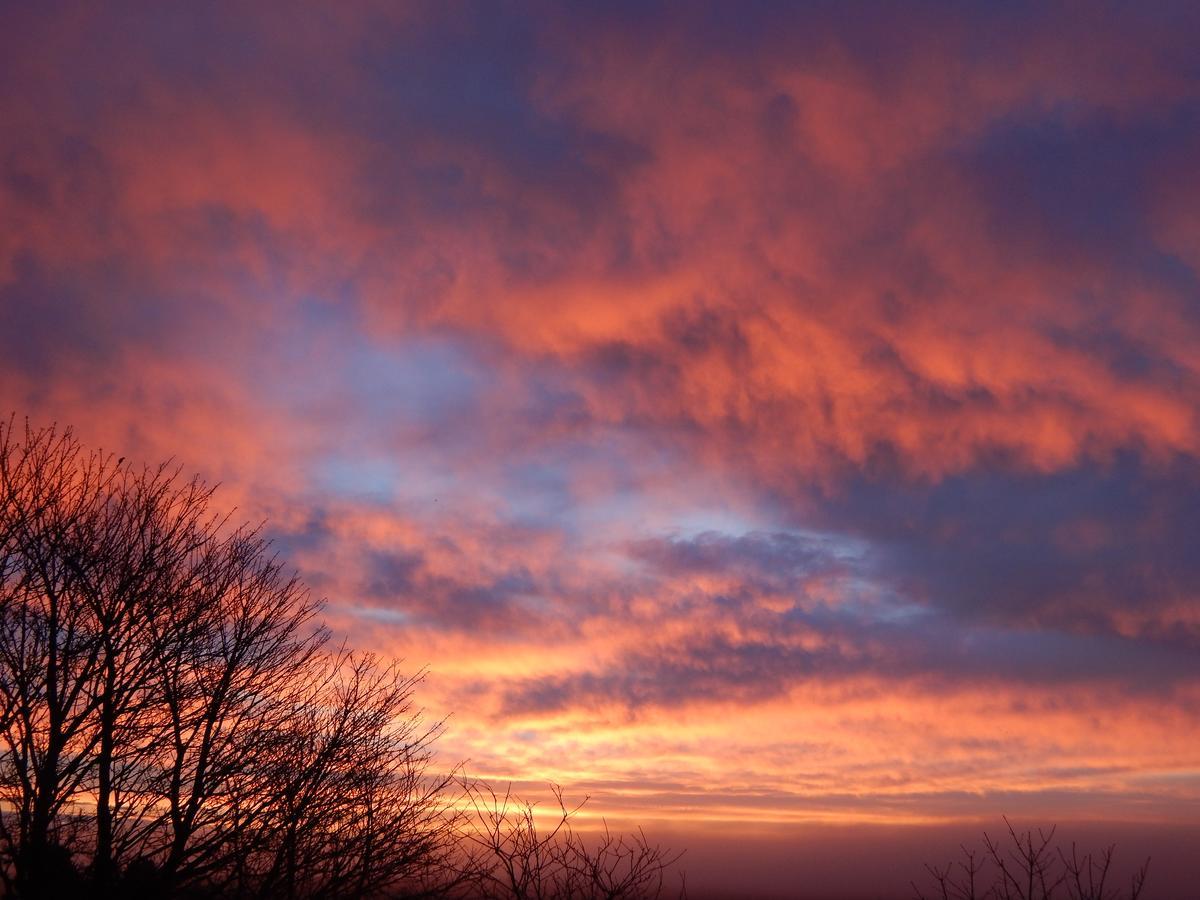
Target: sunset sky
<point>778,423</point>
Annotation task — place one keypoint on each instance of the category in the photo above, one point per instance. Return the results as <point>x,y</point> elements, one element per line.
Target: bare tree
<point>1087,876</point>
<point>82,549</point>
<point>1027,866</point>
<point>957,880</point>
<point>241,643</point>
<point>171,713</point>
<point>512,858</point>
<point>354,812</point>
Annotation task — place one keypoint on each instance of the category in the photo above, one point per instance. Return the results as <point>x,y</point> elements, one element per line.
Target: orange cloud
<point>756,421</point>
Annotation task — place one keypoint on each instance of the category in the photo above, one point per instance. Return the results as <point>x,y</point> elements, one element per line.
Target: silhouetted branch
<point>514,859</point>
<point>1028,867</point>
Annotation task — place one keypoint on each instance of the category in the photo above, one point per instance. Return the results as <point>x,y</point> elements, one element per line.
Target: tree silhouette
<point>512,858</point>
<point>1029,867</point>
<point>173,717</point>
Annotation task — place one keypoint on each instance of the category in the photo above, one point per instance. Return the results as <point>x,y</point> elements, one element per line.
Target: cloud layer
<point>780,414</point>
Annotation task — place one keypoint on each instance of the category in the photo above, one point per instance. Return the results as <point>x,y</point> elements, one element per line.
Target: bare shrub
<point>1027,865</point>
<point>511,857</point>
